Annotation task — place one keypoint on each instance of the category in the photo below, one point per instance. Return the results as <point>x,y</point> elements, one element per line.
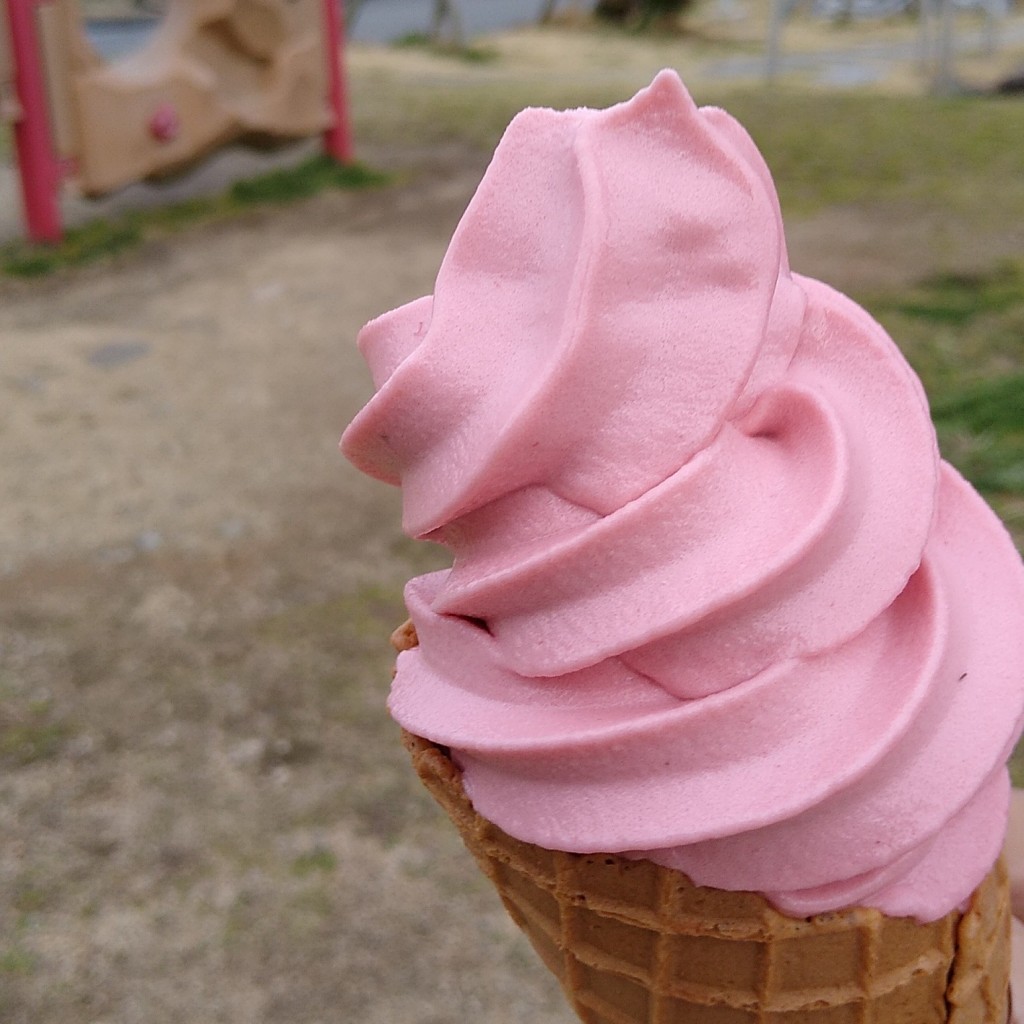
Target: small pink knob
<point>165,124</point>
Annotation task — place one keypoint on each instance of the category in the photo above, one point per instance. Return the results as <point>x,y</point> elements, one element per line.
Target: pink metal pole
<point>337,138</point>
<point>38,167</point>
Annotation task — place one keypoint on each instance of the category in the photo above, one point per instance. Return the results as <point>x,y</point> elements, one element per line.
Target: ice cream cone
<point>714,594</point>
<point>632,942</point>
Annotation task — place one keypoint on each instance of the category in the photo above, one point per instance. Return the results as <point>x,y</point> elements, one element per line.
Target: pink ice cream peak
<point>715,599</point>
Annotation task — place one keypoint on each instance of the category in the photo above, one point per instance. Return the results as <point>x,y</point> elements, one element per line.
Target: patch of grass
<point>959,330</point>
<point>957,299</point>
<point>314,175</point>
<point>309,909</point>
<point>825,149</point>
<point>24,743</point>
<point>80,245</point>
<point>995,406</point>
<point>994,463</point>
<point>413,41</point>
<point>949,156</point>
<point>16,961</point>
<point>104,238</point>
<point>1017,766</point>
<point>318,860</point>
<point>388,113</point>
<point>468,52</point>
<point>962,333</point>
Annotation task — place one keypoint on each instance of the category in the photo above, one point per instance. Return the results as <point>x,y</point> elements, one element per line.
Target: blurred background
<point>206,815</point>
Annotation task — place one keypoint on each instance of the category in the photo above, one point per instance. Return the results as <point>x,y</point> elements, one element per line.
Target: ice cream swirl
<point>714,597</point>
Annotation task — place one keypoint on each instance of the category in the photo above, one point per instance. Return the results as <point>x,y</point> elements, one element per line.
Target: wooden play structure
<point>213,72</point>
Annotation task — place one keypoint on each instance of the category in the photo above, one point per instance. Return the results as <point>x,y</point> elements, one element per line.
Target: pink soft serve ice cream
<point>715,599</point>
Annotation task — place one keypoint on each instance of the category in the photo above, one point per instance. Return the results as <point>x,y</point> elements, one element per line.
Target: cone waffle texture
<point>635,943</point>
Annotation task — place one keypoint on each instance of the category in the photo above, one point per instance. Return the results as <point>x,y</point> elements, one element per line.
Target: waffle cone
<point>635,943</point>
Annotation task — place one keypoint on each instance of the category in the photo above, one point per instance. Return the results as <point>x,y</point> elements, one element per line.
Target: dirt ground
<point>206,814</point>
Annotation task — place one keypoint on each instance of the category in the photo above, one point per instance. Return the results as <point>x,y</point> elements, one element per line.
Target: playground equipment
<point>214,71</point>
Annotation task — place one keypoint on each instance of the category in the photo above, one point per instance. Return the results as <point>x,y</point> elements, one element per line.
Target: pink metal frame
<point>39,169</point>
<point>338,138</point>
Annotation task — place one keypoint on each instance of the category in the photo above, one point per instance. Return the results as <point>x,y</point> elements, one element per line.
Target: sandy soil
<point>206,815</point>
